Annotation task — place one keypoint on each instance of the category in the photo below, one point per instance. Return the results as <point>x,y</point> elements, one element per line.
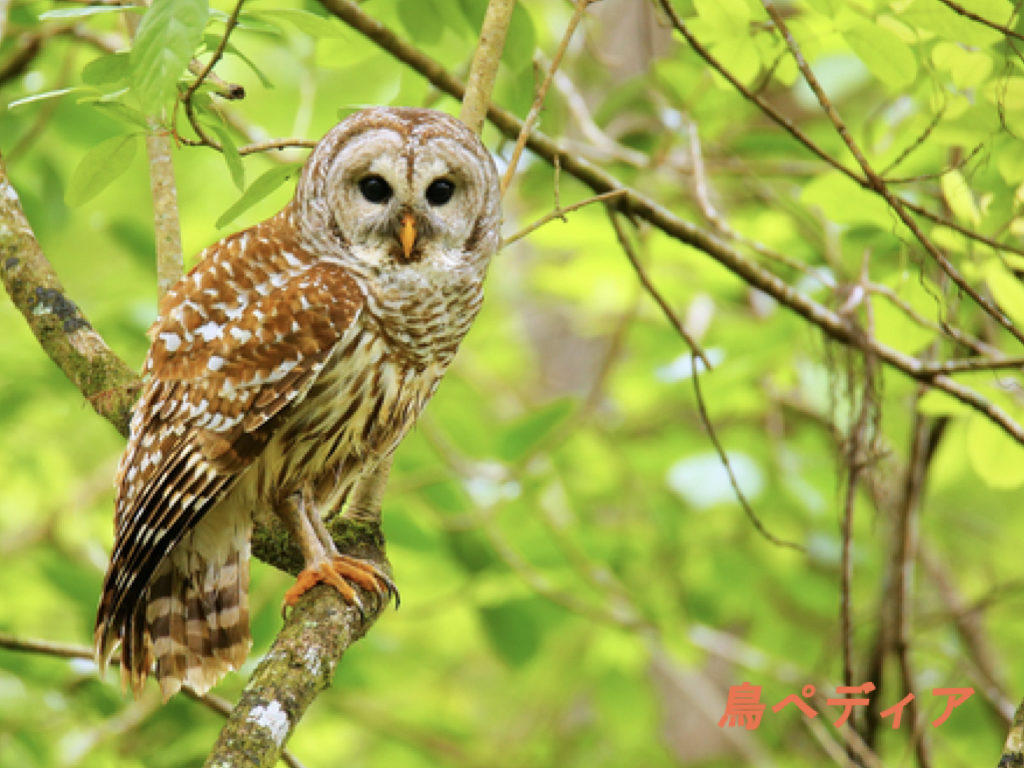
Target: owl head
<point>397,189</point>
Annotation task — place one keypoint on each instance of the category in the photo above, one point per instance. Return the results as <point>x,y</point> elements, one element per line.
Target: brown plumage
<point>284,366</point>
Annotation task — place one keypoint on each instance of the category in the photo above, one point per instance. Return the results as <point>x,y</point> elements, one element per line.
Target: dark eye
<point>440,191</point>
<point>375,189</point>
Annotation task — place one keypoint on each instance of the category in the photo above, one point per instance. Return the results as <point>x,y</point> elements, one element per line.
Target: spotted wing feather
<point>240,338</point>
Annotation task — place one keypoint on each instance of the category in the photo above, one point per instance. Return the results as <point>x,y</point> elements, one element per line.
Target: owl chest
<point>360,407</point>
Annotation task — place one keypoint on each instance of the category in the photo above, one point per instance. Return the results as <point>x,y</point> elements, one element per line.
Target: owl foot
<point>341,572</point>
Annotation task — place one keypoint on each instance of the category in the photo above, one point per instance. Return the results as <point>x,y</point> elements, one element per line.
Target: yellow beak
<point>407,234</point>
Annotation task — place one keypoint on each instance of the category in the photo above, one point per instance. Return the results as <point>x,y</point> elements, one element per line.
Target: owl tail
<point>198,622</point>
<point>194,625</point>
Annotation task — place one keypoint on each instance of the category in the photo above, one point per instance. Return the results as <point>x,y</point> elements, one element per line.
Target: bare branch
<point>643,207</point>
<point>301,662</point>
<point>559,213</point>
<point>484,69</point>
<point>538,101</point>
<point>85,653</point>
<point>878,184</point>
<point>981,19</point>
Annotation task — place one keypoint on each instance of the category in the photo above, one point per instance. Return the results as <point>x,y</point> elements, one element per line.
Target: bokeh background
<point>580,586</point>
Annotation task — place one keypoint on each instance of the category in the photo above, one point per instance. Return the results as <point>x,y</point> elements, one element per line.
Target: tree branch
<point>829,322</point>
<point>58,324</point>
<point>484,69</point>
<point>301,662</point>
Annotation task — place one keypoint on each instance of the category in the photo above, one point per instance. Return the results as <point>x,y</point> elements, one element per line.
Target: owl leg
<point>323,563</point>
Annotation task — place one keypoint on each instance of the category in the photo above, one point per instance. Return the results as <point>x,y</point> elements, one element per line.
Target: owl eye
<point>375,189</point>
<point>440,191</point>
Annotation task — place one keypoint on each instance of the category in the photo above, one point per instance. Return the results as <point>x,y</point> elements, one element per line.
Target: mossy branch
<point>61,328</point>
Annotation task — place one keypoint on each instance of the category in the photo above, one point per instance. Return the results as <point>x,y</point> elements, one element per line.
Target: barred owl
<point>284,367</point>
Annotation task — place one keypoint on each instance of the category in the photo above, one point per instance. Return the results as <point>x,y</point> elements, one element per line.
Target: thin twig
<point>643,207</point>
<point>790,127</point>
<point>654,293</point>
<point>484,69</point>
<point>559,213</point>
<point>696,353</point>
<point>878,185</point>
<point>85,653</point>
<point>538,101</point>
<point>186,98</point>
<point>981,19</point>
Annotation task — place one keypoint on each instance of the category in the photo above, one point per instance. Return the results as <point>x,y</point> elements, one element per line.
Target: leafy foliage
<point>580,585</point>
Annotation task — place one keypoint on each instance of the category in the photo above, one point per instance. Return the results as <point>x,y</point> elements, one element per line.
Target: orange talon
<point>341,573</point>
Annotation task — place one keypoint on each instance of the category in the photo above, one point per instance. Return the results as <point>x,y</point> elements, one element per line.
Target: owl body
<point>286,365</point>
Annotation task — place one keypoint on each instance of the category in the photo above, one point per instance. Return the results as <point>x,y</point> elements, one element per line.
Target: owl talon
<point>341,573</point>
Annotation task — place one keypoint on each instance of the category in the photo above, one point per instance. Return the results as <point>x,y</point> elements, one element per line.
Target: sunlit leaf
<point>112,68</point>
<point>92,10</point>
<point>886,55</point>
<point>42,97</point>
<point>166,39</point>
<point>231,156</point>
<point>100,166</point>
<point>259,189</point>
<point>996,458</point>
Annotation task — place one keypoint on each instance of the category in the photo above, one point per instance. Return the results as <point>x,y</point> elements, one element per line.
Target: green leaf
<point>512,630</point>
<point>1006,289</point>
<point>520,40</point>
<point>119,110</point>
<point>525,435</point>
<point>41,97</point>
<point>92,10</point>
<point>968,69</point>
<point>889,58</point>
<point>258,190</point>
<point>167,38</point>
<point>212,41</point>
<point>231,156</point>
<point>959,197</point>
<point>312,24</point>
<point>936,17</point>
<point>421,21</point>
<point>996,458</point>
<point>99,167</point>
<point>106,70</point>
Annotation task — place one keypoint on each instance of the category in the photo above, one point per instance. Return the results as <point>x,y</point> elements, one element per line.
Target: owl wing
<point>241,337</point>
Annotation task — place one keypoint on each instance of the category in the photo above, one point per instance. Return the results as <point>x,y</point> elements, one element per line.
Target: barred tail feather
<point>192,620</point>
<point>198,622</point>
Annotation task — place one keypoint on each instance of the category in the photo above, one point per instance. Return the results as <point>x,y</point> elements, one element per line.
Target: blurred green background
<point>579,585</point>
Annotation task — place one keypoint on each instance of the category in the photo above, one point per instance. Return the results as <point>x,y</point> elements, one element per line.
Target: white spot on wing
<point>210,331</point>
<point>241,334</point>
<point>172,341</point>
<point>215,363</point>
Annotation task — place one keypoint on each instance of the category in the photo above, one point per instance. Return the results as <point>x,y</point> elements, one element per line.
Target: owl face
<point>404,190</point>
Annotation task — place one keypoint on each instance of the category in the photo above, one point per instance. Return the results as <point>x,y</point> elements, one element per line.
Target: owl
<point>283,368</point>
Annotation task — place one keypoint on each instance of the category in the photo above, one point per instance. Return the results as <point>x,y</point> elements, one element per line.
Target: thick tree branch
<point>829,322</point>
<point>301,662</point>
<point>63,331</point>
